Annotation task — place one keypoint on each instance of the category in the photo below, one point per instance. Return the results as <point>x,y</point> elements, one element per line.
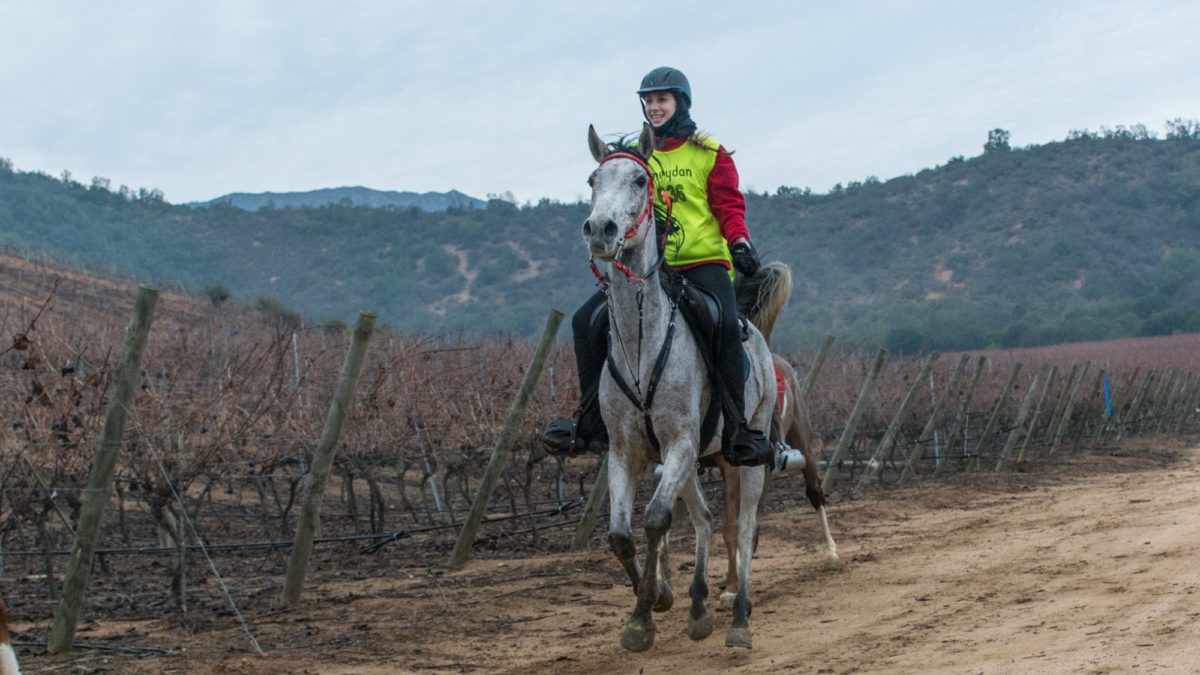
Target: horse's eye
<point>640,181</point>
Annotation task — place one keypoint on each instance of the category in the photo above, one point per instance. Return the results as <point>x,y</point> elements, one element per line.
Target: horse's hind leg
<point>751,486</point>
<point>732,490</point>
<point>800,436</point>
<point>700,621</point>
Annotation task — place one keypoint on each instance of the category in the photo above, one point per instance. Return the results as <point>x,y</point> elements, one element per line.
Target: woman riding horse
<point>709,237</point>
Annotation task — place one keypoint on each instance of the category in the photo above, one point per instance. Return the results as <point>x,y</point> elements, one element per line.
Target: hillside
<point>356,196</point>
<point>1093,237</point>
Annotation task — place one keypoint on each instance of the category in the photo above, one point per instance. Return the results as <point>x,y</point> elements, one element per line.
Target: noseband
<point>647,212</point>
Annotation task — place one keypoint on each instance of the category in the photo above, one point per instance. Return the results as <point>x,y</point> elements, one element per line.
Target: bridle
<point>634,392</point>
<point>646,212</point>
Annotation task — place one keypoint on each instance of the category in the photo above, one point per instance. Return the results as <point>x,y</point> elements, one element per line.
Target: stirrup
<point>788,459</point>
<point>561,438</point>
<point>749,448</point>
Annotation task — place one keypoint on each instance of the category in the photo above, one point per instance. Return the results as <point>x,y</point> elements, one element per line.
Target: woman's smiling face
<point>659,107</point>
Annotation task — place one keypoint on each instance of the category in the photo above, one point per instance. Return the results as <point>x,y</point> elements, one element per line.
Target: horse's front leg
<point>639,633</point>
<point>751,480</point>
<point>620,519</point>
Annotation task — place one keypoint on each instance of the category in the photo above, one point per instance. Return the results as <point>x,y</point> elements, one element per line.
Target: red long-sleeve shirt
<point>725,200</point>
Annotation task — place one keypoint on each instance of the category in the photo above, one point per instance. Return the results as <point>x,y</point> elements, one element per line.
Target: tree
<point>1180,128</point>
<point>997,141</point>
<point>217,295</point>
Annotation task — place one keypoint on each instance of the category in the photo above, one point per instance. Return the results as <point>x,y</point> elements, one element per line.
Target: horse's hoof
<point>738,636</point>
<point>699,629</point>
<point>637,638</point>
<point>666,598</point>
<point>726,600</point>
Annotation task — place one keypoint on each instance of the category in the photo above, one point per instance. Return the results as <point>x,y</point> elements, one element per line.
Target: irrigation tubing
<point>282,544</point>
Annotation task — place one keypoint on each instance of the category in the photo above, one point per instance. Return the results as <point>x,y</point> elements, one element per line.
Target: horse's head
<point>622,196</point>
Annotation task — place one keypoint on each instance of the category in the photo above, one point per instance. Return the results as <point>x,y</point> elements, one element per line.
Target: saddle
<point>702,313</point>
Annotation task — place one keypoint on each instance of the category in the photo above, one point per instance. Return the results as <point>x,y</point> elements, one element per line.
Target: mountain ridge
<point>1093,237</point>
<point>357,195</point>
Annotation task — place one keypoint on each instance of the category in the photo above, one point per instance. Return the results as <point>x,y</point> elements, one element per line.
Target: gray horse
<point>659,421</point>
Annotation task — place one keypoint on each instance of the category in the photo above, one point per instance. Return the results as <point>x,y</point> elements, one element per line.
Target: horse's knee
<point>621,544</point>
<point>657,520</point>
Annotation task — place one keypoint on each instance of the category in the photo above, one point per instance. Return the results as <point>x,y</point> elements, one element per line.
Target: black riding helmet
<point>666,78</point>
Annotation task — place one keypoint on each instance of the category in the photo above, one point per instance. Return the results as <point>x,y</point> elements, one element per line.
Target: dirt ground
<point>1090,567</point>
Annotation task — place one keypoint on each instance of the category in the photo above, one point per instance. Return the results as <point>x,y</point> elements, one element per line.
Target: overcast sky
<point>199,99</point>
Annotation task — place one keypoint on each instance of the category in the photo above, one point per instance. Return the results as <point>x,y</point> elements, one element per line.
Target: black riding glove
<point>745,260</point>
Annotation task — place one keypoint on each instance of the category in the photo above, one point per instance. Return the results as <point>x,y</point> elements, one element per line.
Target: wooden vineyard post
<point>985,440</point>
<point>1060,403</point>
<point>939,407</point>
<point>889,436</point>
<point>960,418</point>
<point>816,366</point>
<point>1135,406</point>
<point>1154,402</point>
<point>591,511</point>
<point>1171,411</point>
<point>322,463</point>
<point>1037,413</point>
<point>1088,407</point>
<point>508,436</point>
<point>79,564</point>
<point>864,397</point>
<point>1064,422</point>
<point>1189,407</point>
<point>1021,414</point>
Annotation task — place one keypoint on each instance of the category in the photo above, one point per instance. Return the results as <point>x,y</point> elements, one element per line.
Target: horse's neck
<point>637,329</point>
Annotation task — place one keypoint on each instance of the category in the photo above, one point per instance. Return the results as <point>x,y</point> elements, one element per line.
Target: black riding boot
<point>584,431</point>
<point>747,446</point>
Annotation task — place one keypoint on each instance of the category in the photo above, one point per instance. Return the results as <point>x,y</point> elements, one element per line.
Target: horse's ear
<point>598,147</point>
<point>645,146</point>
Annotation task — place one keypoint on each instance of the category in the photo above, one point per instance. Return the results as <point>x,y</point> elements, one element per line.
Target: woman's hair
<point>703,140</point>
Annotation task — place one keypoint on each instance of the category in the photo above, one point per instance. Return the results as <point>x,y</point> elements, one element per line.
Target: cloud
<point>199,100</point>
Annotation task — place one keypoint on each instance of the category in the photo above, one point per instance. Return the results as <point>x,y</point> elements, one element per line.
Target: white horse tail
<point>8,658</point>
<point>763,296</point>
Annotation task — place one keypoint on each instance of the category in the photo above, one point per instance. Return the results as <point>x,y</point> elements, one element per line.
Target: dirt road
<point>1092,572</point>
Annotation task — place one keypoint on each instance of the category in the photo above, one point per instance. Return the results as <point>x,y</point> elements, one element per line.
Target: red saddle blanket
<point>781,390</point>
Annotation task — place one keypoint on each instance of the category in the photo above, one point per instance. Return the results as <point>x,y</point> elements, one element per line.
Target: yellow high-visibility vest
<point>683,173</point>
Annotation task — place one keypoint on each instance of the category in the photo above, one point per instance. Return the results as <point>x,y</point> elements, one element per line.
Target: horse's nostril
<point>587,228</point>
<point>610,228</point>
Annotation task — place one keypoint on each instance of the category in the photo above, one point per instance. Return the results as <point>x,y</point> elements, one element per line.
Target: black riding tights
<point>590,326</point>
